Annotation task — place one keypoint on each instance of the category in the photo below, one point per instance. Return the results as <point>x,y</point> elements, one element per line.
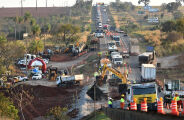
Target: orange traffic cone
<point>144,106</point>
<point>160,108</point>
<point>174,109</point>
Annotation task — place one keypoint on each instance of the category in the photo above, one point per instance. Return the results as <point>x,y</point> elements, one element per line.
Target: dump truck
<point>69,80</point>
<point>141,91</point>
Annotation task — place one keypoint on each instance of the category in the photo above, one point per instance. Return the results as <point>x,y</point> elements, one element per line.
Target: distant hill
<point>40,11</point>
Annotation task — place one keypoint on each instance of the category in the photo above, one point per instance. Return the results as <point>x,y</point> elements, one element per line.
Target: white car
<point>46,61</point>
<point>37,77</point>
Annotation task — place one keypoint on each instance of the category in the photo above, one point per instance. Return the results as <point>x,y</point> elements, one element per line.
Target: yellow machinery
<point>53,73</point>
<point>114,71</point>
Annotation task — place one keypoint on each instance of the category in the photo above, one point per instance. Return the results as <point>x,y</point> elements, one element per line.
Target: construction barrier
<point>160,106</point>
<point>133,106</point>
<point>174,109</point>
<point>144,106</point>
<point>119,114</point>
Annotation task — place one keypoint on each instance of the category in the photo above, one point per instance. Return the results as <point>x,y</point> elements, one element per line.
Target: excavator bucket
<point>95,93</point>
<point>99,80</point>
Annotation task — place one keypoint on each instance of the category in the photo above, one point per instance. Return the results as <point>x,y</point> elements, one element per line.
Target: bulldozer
<point>53,73</point>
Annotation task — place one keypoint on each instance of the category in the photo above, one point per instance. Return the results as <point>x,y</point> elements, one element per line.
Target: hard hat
<point>176,93</point>
<point>122,95</point>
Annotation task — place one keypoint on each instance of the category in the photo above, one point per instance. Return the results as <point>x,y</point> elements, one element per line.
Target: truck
<point>141,91</point>
<point>112,47</point>
<point>69,80</point>
<point>117,60</point>
<point>126,54</point>
<point>146,58</point>
<point>117,40</point>
<point>148,73</point>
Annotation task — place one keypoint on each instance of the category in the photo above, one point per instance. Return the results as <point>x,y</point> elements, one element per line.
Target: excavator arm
<point>114,71</point>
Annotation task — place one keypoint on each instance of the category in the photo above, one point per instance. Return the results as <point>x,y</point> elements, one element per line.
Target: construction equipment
<point>141,91</point>
<point>114,71</point>
<point>53,73</point>
<point>69,80</point>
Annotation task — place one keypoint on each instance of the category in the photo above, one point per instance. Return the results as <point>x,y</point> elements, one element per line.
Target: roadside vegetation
<point>166,36</point>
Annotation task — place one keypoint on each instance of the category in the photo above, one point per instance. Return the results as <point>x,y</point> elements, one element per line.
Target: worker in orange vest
<point>122,102</point>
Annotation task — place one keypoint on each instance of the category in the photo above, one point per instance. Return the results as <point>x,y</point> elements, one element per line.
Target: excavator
<point>101,79</point>
<point>114,71</point>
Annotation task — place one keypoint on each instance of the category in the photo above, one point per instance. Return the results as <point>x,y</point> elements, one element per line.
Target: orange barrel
<point>174,109</point>
<point>160,107</point>
<point>133,106</point>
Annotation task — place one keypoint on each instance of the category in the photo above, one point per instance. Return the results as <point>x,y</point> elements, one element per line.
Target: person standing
<point>122,102</point>
<point>110,103</point>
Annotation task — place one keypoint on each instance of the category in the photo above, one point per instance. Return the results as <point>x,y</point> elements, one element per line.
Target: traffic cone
<point>174,109</point>
<point>160,108</point>
<point>144,106</point>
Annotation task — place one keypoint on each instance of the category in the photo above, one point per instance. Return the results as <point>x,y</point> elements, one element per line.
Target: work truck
<point>141,91</point>
<point>69,80</point>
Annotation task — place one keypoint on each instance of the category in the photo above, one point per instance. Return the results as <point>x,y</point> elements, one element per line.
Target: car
<point>46,61</point>
<point>36,77</point>
<point>19,79</point>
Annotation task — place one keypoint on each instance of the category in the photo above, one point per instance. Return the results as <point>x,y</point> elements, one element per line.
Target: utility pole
<point>46,3</point>
<point>21,7</point>
<point>95,98</point>
<point>36,5</point>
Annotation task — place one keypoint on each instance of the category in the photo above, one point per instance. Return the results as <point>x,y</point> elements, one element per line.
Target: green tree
<point>7,109</point>
<point>36,30</point>
<point>177,15</point>
<point>180,26</point>
<point>173,6</point>
<point>58,113</point>
<point>68,33</point>
<point>145,2</point>
<point>27,18</point>
<point>168,26</point>
<point>36,46</point>
<point>33,21</point>
<point>20,21</point>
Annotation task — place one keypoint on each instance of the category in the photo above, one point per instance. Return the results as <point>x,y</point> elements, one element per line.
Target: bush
<point>7,109</point>
<point>174,36</point>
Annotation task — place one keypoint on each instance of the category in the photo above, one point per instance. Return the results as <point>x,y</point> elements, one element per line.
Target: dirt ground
<point>62,58</point>
<point>45,98</point>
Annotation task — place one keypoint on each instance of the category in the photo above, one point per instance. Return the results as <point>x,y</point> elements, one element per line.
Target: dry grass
<point>84,36</point>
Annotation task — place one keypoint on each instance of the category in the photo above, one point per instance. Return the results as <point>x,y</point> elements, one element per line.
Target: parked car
<point>46,61</point>
<point>19,79</point>
<point>36,77</point>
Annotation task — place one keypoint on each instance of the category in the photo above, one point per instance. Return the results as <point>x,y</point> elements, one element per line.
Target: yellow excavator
<point>114,71</point>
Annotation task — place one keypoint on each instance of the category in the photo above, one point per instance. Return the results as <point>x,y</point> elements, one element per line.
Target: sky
<point>59,3</point>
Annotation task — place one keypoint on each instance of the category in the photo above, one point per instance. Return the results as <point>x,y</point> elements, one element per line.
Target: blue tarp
<point>35,70</point>
<point>149,48</point>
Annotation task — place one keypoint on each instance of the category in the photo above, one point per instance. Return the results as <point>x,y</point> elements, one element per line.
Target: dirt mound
<point>44,98</point>
<point>61,58</point>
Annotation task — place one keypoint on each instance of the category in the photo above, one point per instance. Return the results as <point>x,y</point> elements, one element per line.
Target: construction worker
<point>110,103</point>
<point>177,97</point>
<point>122,102</point>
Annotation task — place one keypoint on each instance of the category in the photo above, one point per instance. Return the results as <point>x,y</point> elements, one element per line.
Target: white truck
<point>148,73</point>
<point>69,80</point>
<point>112,47</point>
<point>117,60</point>
<point>117,40</point>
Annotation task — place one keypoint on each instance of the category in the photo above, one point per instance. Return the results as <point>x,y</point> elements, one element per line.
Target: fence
<point>118,114</point>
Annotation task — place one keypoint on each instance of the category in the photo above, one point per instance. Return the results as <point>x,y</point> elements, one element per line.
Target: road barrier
<point>119,114</point>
